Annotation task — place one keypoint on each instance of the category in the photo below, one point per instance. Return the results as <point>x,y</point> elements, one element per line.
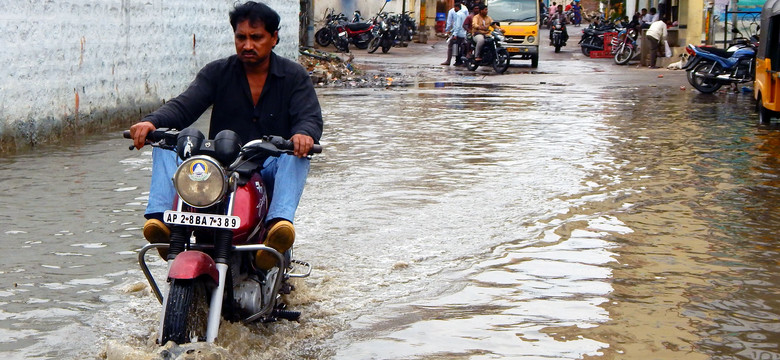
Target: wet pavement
<point>577,210</point>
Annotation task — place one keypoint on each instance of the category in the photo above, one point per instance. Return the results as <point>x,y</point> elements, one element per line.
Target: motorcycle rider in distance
<point>481,26</point>
<point>559,15</point>
<point>253,93</point>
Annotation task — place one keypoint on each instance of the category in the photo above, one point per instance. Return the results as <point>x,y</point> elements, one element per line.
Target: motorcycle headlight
<point>500,37</point>
<point>200,181</point>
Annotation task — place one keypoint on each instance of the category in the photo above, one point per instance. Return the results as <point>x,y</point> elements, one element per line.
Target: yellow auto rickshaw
<point>766,87</point>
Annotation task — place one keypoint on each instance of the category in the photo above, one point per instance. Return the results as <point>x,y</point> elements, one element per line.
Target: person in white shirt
<point>455,18</point>
<point>656,15</point>
<point>656,35</point>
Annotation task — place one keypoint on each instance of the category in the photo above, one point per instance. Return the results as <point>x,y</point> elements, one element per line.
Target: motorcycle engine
<point>252,292</point>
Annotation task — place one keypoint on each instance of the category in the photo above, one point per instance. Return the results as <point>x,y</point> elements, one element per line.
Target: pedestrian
<point>552,9</point>
<point>253,93</point>
<point>455,18</point>
<point>656,35</point>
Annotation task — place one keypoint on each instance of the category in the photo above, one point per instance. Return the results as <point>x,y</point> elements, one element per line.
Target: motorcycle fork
<point>223,244</point>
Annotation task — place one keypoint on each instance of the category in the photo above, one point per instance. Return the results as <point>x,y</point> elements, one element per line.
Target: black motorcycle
<point>493,53</point>
<point>325,35</point>
<point>558,35</point>
<point>385,33</point>
<point>593,36</point>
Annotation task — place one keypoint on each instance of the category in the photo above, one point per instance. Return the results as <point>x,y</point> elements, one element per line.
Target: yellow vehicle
<point>766,87</point>
<point>520,19</point>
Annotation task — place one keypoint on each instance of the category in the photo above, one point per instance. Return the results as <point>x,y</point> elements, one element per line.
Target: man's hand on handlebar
<point>302,144</point>
<point>139,131</point>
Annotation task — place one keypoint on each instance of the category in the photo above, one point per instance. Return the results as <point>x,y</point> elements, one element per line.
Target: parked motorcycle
<point>709,68</point>
<point>217,226</point>
<point>557,36</point>
<point>407,26</point>
<point>593,36</point>
<point>342,33</point>
<point>625,46</point>
<point>325,35</point>
<point>385,33</point>
<point>493,53</point>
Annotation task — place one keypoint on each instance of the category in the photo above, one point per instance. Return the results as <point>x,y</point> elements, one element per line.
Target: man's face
<point>253,42</point>
<point>483,12</point>
<point>457,7</point>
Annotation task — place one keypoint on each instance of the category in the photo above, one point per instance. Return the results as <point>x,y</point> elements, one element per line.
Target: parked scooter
<point>217,226</point>
<point>493,53</point>
<point>710,68</point>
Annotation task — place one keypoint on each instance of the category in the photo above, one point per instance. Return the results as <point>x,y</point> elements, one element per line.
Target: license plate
<point>512,49</point>
<point>203,220</point>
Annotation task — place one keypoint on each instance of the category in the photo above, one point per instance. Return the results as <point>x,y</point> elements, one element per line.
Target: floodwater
<point>444,222</point>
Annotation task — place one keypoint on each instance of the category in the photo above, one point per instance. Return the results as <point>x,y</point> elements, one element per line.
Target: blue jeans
<point>284,178</point>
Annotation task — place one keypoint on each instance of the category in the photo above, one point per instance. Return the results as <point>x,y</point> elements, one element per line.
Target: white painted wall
<point>106,55</point>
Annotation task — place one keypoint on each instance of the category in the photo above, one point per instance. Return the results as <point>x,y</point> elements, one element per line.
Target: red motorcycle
<point>358,33</point>
<point>217,226</point>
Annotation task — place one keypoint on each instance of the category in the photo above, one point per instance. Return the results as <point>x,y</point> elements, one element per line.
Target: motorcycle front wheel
<point>501,63</point>
<point>362,45</point>
<point>586,51</point>
<point>624,54</point>
<point>702,77</point>
<point>341,44</point>
<point>374,44</point>
<point>322,37</point>
<point>186,312</point>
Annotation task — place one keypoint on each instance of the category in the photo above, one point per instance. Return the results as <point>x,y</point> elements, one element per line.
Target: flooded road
<point>445,221</point>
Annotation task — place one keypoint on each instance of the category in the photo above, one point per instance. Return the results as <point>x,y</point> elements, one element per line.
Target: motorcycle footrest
<point>286,314</point>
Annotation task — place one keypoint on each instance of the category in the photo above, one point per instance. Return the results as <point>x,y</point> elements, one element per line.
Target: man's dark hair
<point>481,6</point>
<point>254,12</point>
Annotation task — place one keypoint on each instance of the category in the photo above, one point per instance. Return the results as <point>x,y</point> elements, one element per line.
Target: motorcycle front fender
<point>192,264</point>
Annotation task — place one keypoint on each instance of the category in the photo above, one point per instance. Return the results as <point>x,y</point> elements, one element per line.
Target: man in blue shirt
<point>455,18</point>
<point>253,93</point>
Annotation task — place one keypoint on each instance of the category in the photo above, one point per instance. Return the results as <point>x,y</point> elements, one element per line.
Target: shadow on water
<point>446,221</point>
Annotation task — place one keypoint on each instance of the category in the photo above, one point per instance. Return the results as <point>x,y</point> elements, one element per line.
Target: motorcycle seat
<point>717,51</point>
<point>358,26</point>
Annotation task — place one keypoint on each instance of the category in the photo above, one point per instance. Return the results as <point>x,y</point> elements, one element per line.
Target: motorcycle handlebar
<point>281,143</point>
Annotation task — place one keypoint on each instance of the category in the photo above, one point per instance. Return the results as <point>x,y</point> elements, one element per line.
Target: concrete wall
<point>72,65</point>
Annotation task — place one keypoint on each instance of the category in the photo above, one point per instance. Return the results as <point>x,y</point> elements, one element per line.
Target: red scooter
<point>217,226</point>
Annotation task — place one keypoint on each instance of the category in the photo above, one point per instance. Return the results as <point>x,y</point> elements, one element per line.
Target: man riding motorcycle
<point>559,15</point>
<point>253,93</point>
<point>482,25</point>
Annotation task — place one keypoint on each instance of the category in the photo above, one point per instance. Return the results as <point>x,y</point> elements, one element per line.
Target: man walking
<point>455,18</point>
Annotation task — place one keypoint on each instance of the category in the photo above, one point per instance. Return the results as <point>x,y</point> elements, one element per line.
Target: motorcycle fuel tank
<point>251,205</point>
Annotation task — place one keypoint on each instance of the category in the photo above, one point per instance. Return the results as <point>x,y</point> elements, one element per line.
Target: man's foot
<point>445,63</point>
<point>155,231</point>
<point>459,63</point>
<point>280,237</point>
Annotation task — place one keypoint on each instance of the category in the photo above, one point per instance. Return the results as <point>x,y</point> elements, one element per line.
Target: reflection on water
<point>445,221</point>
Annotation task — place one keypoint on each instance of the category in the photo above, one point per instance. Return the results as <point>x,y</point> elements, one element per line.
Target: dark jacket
<point>287,106</point>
